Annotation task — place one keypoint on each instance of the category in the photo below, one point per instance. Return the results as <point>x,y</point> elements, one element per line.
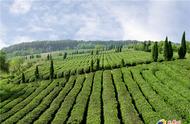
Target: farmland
<point>94,62</point>
<point>135,92</point>
<point>80,63</point>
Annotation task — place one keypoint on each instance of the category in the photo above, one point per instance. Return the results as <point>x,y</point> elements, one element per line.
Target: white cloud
<point>151,21</point>
<point>96,29</point>
<point>54,37</point>
<point>21,6</point>
<point>2,44</point>
<point>88,30</point>
<point>22,39</point>
<point>34,28</point>
<point>91,20</point>
<point>2,36</point>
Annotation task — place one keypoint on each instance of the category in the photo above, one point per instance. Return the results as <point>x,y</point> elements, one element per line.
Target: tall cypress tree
<point>166,50</point>
<point>170,51</point>
<point>36,72</point>
<point>122,63</point>
<point>183,43</point>
<point>155,52</point>
<point>182,50</point>
<point>65,55</point>
<point>48,57</point>
<point>97,64</point>
<point>51,70</point>
<point>91,65</point>
<point>23,78</point>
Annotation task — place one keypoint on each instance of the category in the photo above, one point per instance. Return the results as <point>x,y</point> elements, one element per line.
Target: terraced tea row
<point>82,64</point>
<point>140,94</point>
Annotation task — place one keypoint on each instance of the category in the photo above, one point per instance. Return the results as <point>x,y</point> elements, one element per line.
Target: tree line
<point>37,47</point>
<point>168,50</point>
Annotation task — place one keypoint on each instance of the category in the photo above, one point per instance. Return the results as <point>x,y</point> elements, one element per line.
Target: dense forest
<point>36,47</point>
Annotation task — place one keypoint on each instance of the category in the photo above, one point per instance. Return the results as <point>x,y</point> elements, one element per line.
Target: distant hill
<point>49,46</point>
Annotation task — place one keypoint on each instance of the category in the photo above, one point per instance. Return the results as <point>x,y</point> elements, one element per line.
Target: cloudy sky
<point>29,20</point>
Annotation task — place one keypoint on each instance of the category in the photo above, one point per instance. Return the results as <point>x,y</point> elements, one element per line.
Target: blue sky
<point>29,20</point>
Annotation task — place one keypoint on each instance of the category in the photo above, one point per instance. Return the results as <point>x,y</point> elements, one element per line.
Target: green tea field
<point>143,92</point>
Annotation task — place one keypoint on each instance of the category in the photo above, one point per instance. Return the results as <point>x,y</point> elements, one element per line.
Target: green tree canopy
<point>4,65</point>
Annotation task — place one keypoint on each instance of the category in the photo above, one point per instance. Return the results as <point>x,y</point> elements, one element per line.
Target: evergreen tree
<point>170,51</point>
<point>144,46</point>
<point>91,52</point>
<point>91,65</point>
<point>37,73</point>
<point>51,70</point>
<point>23,78</point>
<point>48,57</point>
<point>4,65</point>
<point>65,55</point>
<point>155,52</point>
<point>97,52</point>
<point>182,50</point>
<point>122,63</point>
<point>98,64</point>
<point>166,50</point>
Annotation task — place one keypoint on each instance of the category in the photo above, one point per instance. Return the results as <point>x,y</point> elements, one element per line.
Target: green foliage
<point>91,53</point>
<point>19,106</point>
<point>128,113</point>
<point>16,65</point>
<point>36,73</point>
<point>65,55</point>
<point>140,94</point>
<point>91,65</point>
<point>155,52</point>
<point>118,49</point>
<point>24,108</point>
<point>146,46</point>
<point>4,65</point>
<point>49,57</point>
<point>182,50</point>
<point>109,100</point>
<point>66,106</point>
<point>79,108</point>
<point>51,70</point>
<point>23,78</point>
<point>38,56</point>
<point>170,51</point>
<point>97,64</point>
<point>122,63</point>
<point>166,50</point>
<point>46,117</point>
<point>94,108</point>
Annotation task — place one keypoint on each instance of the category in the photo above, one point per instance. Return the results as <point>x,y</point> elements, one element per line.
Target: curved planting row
<point>31,116</point>
<point>20,92</point>
<point>28,104</point>
<point>164,110</point>
<point>94,114</point>
<point>14,102</point>
<point>79,110</point>
<point>128,113</point>
<point>173,84</point>
<point>16,108</point>
<point>49,113</point>
<point>147,113</point>
<point>82,63</point>
<point>63,113</point>
<point>109,100</point>
<point>14,91</point>
<point>179,104</point>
